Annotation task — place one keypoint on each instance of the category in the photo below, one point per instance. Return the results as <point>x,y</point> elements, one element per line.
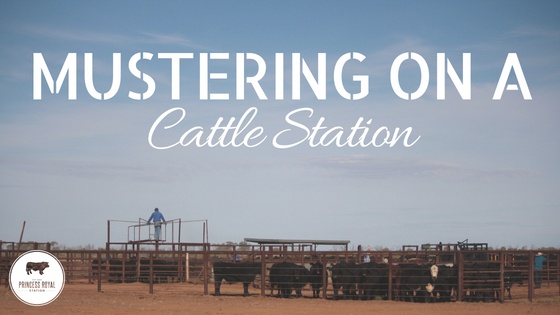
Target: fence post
<point>531,276</point>
<point>187,267</point>
<point>98,271</point>
<point>123,266</point>
<point>263,274</point>
<point>205,263</point>
<point>324,274</point>
<point>390,277</point>
<point>151,281</point>
<point>557,271</point>
<point>501,256</point>
<point>460,276</point>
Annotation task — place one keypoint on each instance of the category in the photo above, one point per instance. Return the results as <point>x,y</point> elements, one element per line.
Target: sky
<point>471,168</point>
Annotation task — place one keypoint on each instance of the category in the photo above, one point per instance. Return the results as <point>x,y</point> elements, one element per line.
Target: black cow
<point>482,280</point>
<point>345,276</point>
<point>36,266</point>
<point>416,281</point>
<point>301,278</point>
<point>511,277</point>
<point>117,268</point>
<point>316,278</point>
<point>244,272</point>
<point>162,270</point>
<point>373,280</point>
<point>447,281</point>
<point>280,278</point>
<point>286,276</point>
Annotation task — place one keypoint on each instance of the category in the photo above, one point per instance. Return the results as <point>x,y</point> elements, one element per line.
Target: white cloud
<point>114,39</point>
<point>364,166</point>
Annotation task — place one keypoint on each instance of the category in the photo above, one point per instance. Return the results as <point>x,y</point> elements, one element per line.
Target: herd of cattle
<point>408,281</point>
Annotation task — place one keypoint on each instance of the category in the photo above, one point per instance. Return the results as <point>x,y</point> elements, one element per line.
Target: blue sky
<point>482,169</point>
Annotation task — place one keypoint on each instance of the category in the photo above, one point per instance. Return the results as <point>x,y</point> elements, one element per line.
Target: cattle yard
<point>467,272</point>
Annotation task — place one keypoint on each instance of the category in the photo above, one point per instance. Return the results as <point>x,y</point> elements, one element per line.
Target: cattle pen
<point>480,274</point>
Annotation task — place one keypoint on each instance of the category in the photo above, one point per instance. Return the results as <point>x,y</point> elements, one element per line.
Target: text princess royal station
<point>241,132</point>
<point>36,286</point>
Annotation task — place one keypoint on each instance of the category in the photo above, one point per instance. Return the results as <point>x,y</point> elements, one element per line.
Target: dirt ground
<point>182,298</point>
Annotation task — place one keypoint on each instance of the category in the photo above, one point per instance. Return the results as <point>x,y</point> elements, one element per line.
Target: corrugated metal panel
<point>296,241</point>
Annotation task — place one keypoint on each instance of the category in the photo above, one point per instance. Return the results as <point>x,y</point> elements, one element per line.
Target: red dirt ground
<point>183,298</point>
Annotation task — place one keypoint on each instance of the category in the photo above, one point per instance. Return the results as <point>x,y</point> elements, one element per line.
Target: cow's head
<point>434,272</point>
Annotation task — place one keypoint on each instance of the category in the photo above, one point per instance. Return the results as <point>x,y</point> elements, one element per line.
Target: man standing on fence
<point>158,220</point>
<point>539,260</point>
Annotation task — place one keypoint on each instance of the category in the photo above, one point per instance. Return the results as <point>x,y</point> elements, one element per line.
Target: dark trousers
<point>538,278</point>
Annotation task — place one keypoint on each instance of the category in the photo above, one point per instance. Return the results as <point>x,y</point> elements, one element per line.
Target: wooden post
<point>20,237</point>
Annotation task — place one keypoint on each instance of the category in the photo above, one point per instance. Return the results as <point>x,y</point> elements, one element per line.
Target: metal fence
<point>470,275</point>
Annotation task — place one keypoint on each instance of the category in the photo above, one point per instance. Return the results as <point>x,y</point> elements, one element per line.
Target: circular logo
<point>37,278</point>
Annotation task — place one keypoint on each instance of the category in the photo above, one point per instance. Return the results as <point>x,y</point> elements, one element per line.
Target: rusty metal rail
<point>481,274</point>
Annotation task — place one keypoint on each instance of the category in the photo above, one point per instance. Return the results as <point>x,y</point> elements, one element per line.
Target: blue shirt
<point>539,260</point>
<point>157,216</point>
